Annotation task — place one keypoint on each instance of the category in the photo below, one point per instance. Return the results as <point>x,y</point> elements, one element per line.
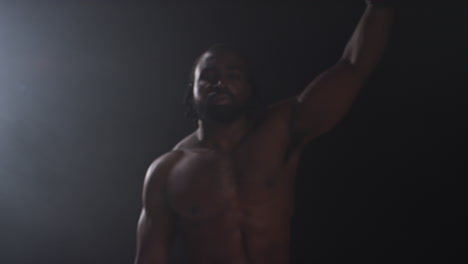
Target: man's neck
<point>222,136</point>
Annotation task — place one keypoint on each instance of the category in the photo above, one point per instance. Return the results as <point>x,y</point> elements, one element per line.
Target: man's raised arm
<point>329,96</point>
<point>156,224</point>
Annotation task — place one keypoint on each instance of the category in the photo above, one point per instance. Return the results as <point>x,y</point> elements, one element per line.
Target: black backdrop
<point>91,92</point>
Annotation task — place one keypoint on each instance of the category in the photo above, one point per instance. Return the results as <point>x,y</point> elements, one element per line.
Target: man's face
<point>221,90</point>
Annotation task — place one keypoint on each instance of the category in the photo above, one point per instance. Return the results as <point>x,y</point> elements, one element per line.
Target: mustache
<point>220,92</point>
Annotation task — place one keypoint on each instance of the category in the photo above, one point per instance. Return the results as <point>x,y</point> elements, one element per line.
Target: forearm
<point>368,41</point>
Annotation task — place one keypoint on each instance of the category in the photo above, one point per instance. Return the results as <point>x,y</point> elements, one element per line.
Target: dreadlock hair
<point>190,111</point>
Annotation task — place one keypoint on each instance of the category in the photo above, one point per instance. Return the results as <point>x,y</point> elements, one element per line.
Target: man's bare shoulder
<point>163,166</point>
<point>189,142</point>
<point>278,115</point>
<point>160,169</point>
<point>165,161</point>
<point>282,109</point>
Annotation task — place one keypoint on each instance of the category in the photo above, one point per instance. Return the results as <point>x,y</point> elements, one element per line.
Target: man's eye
<point>207,76</point>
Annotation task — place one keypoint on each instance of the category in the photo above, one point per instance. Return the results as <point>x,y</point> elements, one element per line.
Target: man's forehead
<point>229,58</point>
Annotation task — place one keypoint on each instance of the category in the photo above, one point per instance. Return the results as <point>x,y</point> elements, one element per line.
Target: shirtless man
<point>228,188</point>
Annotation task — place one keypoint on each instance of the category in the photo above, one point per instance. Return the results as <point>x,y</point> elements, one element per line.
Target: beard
<point>210,112</point>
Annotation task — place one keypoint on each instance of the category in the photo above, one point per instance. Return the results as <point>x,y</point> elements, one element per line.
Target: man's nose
<point>221,83</point>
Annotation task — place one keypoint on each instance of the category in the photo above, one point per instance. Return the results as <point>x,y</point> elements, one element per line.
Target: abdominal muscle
<point>233,237</point>
<point>215,240</point>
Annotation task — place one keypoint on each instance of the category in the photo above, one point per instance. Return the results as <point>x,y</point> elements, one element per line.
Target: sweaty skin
<point>228,187</point>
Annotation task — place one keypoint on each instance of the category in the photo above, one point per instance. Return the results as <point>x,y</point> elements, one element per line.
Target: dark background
<point>91,92</point>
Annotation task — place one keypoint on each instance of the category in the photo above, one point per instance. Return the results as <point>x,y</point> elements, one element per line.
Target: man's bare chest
<point>209,183</point>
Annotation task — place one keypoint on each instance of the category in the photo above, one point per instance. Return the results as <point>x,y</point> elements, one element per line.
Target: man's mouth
<point>220,98</point>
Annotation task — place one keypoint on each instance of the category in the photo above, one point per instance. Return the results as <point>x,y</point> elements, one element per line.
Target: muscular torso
<point>235,207</point>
